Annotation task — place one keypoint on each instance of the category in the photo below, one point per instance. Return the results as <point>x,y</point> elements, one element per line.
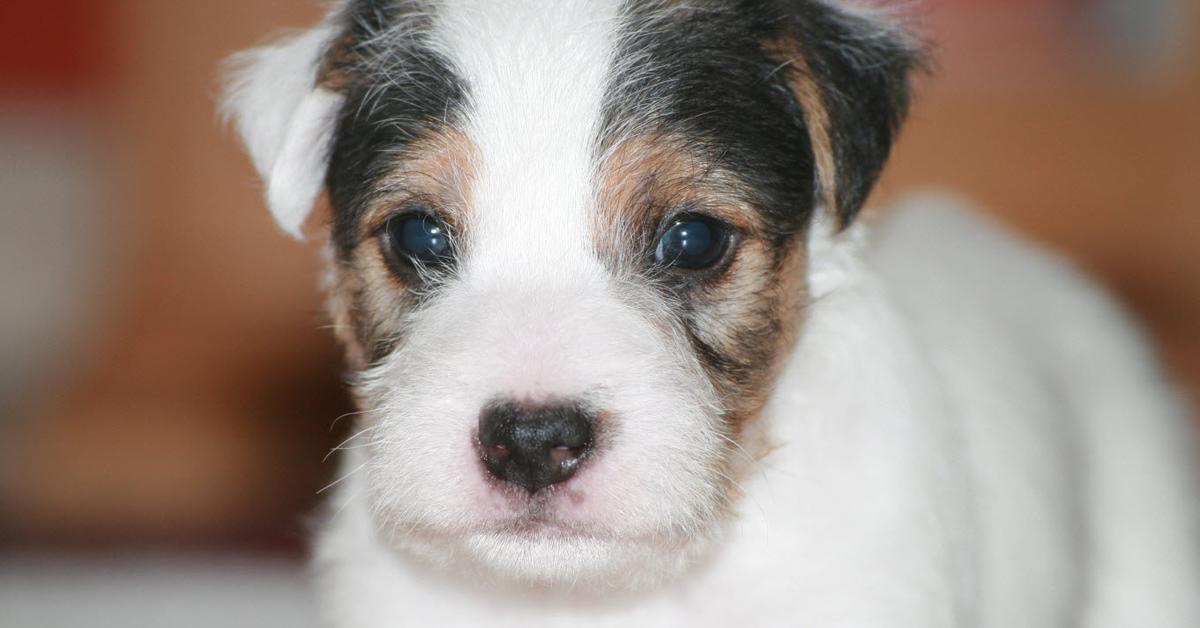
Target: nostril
<point>563,453</point>
<point>497,452</point>
<point>534,446</point>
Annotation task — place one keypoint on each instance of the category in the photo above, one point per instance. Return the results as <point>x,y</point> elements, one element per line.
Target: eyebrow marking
<point>439,169</point>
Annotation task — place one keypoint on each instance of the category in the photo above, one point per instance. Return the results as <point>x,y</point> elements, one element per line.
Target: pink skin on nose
<point>499,502</point>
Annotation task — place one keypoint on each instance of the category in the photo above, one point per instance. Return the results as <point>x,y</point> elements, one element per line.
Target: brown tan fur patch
<point>643,178</point>
<point>816,114</point>
<point>334,73</point>
<point>437,171</point>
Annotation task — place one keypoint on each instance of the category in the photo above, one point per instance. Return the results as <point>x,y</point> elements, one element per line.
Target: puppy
<point>624,356</point>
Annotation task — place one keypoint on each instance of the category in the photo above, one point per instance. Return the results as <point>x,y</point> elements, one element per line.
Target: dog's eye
<point>692,242</point>
<point>419,238</point>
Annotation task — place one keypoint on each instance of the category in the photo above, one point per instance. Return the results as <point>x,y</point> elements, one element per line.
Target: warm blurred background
<point>165,384</point>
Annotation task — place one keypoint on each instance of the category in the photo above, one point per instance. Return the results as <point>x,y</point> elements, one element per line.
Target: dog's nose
<point>534,446</point>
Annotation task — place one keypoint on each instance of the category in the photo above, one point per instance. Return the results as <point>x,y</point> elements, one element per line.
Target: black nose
<point>534,446</point>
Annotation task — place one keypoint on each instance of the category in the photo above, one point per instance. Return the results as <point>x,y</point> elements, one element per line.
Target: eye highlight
<point>419,239</point>
<point>692,242</point>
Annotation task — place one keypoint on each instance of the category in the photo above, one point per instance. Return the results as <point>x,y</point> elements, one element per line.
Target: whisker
<point>342,445</point>
<point>341,479</point>
<point>333,425</point>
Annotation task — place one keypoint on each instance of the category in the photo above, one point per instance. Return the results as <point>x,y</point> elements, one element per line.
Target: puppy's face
<point>568,253</point>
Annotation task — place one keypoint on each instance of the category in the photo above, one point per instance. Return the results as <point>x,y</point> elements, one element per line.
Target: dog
<point>625,356</point>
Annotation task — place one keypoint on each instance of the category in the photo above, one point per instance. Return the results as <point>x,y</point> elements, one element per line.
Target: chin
<point>547,552</point>
<point>558,560</point>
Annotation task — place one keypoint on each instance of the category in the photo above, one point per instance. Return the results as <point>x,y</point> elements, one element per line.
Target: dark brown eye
<point>692,242</point>
<point>420,239</point>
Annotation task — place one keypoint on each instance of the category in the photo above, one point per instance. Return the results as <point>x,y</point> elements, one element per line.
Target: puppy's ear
<point>285,119</point>
<point>851,72</point>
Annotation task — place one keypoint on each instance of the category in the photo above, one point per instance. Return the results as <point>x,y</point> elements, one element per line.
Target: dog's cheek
<point>368,306</point>
<point>744,324</point>
<point>343,315</point>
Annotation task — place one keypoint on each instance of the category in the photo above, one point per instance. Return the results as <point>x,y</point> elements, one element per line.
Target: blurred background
<point>168,394</point>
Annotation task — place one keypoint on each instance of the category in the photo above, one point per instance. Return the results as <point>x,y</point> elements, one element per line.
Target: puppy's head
<point>568,251</point>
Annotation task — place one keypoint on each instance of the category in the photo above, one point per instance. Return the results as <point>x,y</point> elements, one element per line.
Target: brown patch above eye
<point>437,171</point>
<point>642,178</point>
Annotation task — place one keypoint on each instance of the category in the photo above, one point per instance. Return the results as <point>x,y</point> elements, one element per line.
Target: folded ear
<point>285,119</point>
<point>850,70</point>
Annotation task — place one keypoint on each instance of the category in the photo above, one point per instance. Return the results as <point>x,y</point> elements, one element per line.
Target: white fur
<point>968,433</point>
<point>285,121</point>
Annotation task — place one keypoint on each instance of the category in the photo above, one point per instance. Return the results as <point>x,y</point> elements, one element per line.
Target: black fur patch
<point>707,70</point>
<point>702,73</point>
<point>864,73</point>
<point>397,90</point>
